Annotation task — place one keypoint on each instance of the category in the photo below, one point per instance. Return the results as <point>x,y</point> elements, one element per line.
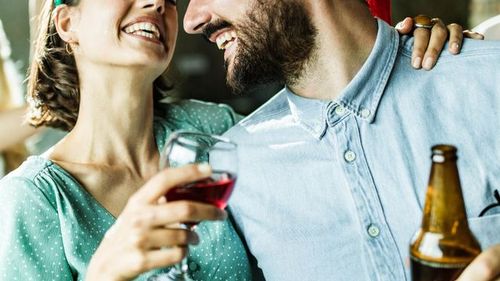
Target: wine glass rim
<point>178,134</point>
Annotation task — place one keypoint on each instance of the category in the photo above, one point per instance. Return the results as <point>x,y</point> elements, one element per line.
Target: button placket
<point>336,113</point>
<point>373,230</point>
<point>340,110</point>
<point>367,202</point>
<point>349,156</point>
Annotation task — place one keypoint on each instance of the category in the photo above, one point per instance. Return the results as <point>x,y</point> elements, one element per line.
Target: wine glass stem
<point>183,266</point>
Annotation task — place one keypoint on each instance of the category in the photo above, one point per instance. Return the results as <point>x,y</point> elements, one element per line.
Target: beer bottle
<point>444,244</point>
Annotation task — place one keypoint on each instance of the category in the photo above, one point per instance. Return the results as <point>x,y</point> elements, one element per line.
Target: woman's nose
<point>157,5</point>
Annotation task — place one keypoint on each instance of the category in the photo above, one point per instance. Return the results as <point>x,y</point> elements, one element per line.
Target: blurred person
<point>91,207</point>
<point>13,129</point>
<point>333,167</point>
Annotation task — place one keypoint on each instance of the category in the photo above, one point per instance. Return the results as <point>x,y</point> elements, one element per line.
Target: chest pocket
<point>486,229</point>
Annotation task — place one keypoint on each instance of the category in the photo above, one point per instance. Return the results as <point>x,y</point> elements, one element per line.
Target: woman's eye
<point>173,2</point>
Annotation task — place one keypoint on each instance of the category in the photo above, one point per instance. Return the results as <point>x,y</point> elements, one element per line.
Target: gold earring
<point>68,49</point>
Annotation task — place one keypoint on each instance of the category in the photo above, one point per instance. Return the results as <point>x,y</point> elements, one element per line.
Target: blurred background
<point>198,70</point>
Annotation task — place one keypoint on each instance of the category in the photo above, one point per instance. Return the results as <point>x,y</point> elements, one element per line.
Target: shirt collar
<point>361,97</point>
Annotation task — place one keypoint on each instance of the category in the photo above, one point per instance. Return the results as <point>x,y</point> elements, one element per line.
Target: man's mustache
<point>212,27</point>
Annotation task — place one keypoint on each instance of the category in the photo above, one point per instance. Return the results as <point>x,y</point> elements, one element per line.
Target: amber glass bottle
<point>444,244</point>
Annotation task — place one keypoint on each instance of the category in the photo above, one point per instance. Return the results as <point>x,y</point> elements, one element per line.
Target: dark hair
<point>53,85</point>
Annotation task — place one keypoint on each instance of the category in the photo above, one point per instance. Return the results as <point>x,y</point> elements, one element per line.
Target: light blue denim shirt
<point>333,190</point>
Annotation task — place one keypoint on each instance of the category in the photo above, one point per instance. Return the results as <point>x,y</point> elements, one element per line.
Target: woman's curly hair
<point>53,85</point>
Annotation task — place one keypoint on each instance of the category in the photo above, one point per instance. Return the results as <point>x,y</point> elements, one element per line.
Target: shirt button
<point>340,110</point>
<point>365,113</point>
<point>373,230</point>
<point>349,156</point>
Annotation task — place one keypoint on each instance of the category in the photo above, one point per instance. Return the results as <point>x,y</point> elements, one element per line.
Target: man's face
<point>263,41</point>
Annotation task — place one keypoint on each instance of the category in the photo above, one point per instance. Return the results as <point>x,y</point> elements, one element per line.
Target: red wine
<point>215,190</point>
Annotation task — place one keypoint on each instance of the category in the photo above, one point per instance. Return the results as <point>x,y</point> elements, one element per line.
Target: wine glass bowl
<point>184,148</point>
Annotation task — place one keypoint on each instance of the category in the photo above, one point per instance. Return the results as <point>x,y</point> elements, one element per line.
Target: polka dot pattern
<point>50,225</point>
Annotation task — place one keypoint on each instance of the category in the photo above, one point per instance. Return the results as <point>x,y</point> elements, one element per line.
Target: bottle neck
<point>444,210</point>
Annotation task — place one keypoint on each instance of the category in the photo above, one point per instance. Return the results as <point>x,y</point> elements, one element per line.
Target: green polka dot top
<point>50,226</point>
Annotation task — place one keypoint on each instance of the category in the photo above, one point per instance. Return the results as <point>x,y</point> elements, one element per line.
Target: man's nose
<point>197,15</point>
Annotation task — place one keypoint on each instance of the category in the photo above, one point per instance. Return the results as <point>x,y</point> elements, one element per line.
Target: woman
<point>92,207</point>
<point>97,72</point>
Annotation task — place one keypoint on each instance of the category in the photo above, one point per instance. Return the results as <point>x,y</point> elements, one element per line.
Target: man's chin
<point>231,79</point>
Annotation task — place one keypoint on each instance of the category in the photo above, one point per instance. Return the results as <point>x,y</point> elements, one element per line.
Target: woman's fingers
<point>188,211</point>
<point>405,26</point>
<point>438,37</point>
<point>430,37</point>
<point>171,213</point>
<point>422,36</point>
<point>161,258</point>
<point>158,186</point>
<point>139,261</point>
<point>164,237</point>
<point>473,35</point>
<point>456,38</point>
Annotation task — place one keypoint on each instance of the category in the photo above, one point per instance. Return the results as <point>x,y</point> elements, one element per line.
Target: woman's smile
<point>146,28</point>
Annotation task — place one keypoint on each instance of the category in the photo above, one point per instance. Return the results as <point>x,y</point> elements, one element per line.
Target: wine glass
<point>184,148</point>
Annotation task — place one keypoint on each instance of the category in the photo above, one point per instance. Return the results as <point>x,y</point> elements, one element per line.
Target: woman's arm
<point>31,244</point>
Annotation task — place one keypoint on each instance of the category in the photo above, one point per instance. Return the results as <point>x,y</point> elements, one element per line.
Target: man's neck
<point>346,35</point>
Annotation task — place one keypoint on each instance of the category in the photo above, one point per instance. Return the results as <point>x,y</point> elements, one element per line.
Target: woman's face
<point>126,33</point>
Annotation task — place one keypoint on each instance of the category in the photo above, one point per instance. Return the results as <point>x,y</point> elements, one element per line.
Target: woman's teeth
<point>145,29</point>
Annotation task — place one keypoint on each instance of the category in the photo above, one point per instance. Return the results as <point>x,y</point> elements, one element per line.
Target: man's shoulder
<point>471,48</point>
<point>276,107</point>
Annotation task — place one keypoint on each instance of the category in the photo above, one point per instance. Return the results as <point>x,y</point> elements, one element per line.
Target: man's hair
<point>53,85</point>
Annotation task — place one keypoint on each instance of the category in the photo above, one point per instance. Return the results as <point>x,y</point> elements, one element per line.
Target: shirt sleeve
<point>31,247</point>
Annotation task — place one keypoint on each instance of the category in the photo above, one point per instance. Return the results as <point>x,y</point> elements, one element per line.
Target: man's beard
<point>274,45</point>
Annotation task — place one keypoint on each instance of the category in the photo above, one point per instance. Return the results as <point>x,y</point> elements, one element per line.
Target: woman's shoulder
<point>32,178</point>
<point>197,115</point>
<point>197,107</point>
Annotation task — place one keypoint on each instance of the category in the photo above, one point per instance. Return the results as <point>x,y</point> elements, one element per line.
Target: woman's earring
<point>68,49</point>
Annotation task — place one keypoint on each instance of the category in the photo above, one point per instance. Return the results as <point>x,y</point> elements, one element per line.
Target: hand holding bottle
<point>486,267</point>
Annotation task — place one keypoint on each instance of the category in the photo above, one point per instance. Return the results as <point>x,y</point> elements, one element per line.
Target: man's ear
<point>65,20</point>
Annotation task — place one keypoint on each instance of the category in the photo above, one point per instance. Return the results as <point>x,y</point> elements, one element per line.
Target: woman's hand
<point>429,42</point>
<point>141,240</point>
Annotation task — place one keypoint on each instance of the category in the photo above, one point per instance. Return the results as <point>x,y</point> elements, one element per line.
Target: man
<point>333,169</point>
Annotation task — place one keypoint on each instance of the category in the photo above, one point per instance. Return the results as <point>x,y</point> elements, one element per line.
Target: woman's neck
<point>115,123</point>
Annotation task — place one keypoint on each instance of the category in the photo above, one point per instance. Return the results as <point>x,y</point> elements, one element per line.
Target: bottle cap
<point>443,152</point>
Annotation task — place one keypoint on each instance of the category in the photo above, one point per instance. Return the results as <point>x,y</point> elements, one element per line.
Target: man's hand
<point>486,267</point>
<point>430,42</point>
